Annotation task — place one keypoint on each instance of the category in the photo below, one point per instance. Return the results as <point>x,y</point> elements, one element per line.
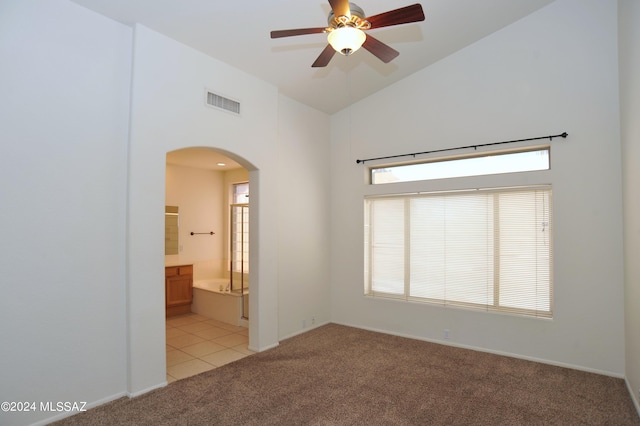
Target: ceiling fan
<point>347,23</point>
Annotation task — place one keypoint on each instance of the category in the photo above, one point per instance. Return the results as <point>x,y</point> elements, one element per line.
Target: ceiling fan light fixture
<point>346,25</point>
<point>347,39</point>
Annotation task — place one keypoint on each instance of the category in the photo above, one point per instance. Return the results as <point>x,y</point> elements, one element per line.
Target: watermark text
<point>46,406</point>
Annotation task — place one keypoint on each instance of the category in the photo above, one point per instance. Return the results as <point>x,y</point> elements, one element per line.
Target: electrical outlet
<point>313,320</point>
<point>447,333</point>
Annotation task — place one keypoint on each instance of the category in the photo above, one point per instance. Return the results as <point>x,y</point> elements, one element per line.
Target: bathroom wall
<point>199,194</point>
<point>203,198</point>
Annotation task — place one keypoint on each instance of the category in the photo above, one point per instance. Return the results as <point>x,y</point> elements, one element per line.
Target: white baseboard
<point>480,349</point>
<point>149,389</point>
<point>89,405</point>
<point>304,330</point>
<point>634,396</point>
<point>266,348</point>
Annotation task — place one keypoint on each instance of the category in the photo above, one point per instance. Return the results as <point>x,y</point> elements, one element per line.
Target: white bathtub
<point>223,305</point>
<point>212,284</point>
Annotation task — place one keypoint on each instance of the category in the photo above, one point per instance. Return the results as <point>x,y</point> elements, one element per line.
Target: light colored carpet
<point>337,375</point>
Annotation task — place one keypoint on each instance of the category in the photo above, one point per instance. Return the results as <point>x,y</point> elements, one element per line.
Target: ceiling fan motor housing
<point>356,20</point>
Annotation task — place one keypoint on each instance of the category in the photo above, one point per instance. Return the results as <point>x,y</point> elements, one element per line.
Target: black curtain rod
<point>550,137</point>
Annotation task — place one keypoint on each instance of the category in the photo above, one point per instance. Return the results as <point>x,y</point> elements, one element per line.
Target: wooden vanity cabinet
<point>178,289</point>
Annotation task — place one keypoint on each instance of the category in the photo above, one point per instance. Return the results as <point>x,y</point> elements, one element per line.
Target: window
<point>484,164</point>
<point>239,233</point>
<point>240,193</point>
<point>240,238</point>
<point>488,249</point>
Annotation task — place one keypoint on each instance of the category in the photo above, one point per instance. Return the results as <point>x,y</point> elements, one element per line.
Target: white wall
<point>303,217</point>
<point>168,113</point>
<point>553,71</point>
<point>64,85</point>
<point>629,16</point>
<point>200,197</point>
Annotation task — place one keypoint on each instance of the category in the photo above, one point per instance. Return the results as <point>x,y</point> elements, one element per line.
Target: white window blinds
<point>489,249</point>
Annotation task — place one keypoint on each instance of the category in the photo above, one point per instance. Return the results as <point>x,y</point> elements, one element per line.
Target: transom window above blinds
<point>488,249</point>
<point>474,165</point>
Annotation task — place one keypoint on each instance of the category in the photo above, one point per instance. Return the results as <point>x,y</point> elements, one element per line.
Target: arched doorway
<point>204,187</point>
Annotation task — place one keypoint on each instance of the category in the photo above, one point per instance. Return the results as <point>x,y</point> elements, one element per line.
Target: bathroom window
<point>240,193</point>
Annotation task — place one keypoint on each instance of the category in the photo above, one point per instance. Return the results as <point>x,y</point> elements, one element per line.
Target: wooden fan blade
<point>340,7</point>
<point>404,15</point>
<point>325,57</point>
<point>300,31</point>
<point>383,52</point>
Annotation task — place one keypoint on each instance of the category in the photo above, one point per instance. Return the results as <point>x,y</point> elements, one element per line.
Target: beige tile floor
<point>196,344</point>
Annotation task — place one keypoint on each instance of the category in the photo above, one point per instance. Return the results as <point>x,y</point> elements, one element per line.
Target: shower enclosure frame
<point>239,251</point>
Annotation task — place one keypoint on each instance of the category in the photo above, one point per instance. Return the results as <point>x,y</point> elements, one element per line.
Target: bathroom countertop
<point>176,263</point>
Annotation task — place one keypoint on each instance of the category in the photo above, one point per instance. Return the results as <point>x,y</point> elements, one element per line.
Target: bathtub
<point>225,306</point>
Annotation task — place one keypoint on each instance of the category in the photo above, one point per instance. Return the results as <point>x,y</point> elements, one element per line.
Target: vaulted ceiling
<point>237,33</point>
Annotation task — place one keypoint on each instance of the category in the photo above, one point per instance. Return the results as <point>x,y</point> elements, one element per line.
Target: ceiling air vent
<point>221,102</point>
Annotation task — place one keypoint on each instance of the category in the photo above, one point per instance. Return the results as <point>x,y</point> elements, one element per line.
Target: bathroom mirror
<point>171,222</point>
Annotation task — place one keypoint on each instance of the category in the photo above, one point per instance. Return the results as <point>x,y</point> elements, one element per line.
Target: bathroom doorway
<point>206,187</point>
